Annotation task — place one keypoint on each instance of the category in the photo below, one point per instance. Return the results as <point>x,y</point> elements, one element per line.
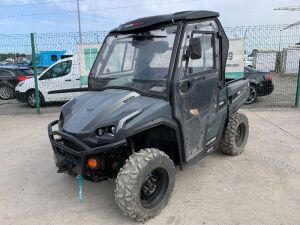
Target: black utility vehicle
<point>261,84</point>
<point>157,98</point>
<point>10,76</point>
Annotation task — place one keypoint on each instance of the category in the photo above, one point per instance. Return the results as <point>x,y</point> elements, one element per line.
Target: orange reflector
<point>92,163</point>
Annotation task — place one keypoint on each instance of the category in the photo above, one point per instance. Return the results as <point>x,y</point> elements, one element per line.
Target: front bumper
<point>70,152</point>
<point>21,96</point>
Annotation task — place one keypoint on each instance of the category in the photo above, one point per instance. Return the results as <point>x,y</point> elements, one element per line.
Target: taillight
<point>22,78</point>
<point>269,77</point>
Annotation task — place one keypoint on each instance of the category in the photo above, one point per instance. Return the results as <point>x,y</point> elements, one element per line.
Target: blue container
<point>47,58</point>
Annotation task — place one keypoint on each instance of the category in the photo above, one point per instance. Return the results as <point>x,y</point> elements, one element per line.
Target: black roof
<point>152,21</point>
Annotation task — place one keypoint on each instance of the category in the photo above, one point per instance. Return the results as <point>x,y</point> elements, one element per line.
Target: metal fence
<point>267,48</point>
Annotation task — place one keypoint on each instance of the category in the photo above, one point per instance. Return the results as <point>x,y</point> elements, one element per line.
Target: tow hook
<point>64,166</point>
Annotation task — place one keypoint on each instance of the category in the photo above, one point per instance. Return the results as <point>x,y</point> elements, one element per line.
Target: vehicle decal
<point>211,140</point>
<point>124,119</point>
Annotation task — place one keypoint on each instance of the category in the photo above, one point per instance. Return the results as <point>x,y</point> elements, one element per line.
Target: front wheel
<point>31,99</point>
<point>145,183</point>
<point>252,96</point>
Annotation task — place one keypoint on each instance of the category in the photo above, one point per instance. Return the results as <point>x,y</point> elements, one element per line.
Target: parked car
<point>248,61</point>
<point>261,83</point>
<point>10,76</point>
<point>58,83</point>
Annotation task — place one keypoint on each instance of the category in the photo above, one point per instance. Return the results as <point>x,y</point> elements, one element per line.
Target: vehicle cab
<point>157,97</point>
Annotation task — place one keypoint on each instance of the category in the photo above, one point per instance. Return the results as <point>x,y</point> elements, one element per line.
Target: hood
<point>97,109</point>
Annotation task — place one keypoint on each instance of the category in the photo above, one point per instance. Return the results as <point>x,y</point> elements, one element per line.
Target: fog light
<point>92,163</point>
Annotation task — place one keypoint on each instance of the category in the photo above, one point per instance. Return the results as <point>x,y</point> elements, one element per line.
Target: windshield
<point>137,61</point>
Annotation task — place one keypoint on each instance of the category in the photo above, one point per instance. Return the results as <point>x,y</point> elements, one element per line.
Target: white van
<point>58,83</point>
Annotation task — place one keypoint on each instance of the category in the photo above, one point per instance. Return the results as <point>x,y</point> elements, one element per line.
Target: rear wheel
<point>145,183</point>
<point>6,92</point>
<point>252,96</point>
<point>236,134</point>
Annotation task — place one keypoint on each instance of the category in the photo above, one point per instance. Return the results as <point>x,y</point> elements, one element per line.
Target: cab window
<point>207,61</point>
<point>122,58</point>
<point>6,73</point>
<point>205,31</point>
<point>58,70</point>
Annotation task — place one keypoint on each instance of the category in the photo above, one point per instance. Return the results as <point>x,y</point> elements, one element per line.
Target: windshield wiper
<point>146,36</point>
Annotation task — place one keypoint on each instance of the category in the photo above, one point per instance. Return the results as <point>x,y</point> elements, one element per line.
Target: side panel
<point>238,92</point>
<point>216,120</point>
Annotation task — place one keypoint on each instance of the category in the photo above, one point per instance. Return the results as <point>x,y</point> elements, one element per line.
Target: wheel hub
<point>31,99</point>
<point>150,185</point>
<point>252,95</point>
<point>154,188</point>
<point>240,135</point>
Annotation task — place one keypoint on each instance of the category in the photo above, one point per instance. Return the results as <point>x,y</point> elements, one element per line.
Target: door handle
<point>77,79</point>
<point>185,86</point>
<point>68,80</point>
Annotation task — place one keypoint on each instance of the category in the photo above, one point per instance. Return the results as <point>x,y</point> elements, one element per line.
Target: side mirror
<point>194,50</point>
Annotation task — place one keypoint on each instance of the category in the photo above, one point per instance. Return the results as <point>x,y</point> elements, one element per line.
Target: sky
<point>25,16</point>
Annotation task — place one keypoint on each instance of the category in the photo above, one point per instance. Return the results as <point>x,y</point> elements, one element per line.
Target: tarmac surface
<point>260,186</point>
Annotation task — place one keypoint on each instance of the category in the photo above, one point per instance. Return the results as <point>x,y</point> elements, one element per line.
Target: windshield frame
<point>172,60</point>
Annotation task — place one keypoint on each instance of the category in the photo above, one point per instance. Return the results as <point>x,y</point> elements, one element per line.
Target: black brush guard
<point>71,152</point>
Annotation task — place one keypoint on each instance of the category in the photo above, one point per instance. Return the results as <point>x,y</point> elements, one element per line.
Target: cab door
<point>196,87</point>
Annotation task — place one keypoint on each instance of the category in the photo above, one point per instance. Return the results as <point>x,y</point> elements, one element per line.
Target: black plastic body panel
<point>237,92</point>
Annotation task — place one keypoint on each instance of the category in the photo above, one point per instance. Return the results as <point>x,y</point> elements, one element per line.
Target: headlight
<point>110,130</point>
<point>20,83</point>
<point>101,131</point>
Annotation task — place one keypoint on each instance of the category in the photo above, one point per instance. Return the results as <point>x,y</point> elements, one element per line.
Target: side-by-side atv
<point>157,97</point>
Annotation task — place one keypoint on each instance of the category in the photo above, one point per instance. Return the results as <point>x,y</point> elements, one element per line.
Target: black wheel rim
<point>252,95</point>
<point>154,188</point>
<point>240,134</point>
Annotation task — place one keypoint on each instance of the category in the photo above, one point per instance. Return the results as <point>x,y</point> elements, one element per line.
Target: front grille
<point>68,155</point>
<point>72,145</point>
